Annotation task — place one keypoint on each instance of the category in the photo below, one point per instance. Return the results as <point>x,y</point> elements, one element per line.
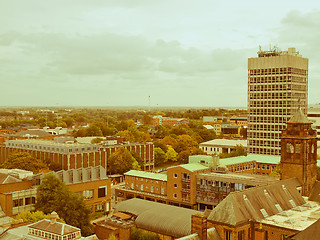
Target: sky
<point>190,53</point>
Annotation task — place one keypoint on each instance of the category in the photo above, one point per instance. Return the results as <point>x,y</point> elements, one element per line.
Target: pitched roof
<point>299,117</point>
<point>315,192</point>
<point>57,228</point>
<point>257,203</point>
<point>309,233</point>
<point>6,178</point>
<point>157,217</point>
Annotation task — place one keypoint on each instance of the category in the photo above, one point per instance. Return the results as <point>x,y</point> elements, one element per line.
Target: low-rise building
<point>252,163</point>
<point>198,185</point>
<point>92,183</point>
<point>218,146</point>
<point>163,121</point>
<point>16,194</point>
<point>46,229</point>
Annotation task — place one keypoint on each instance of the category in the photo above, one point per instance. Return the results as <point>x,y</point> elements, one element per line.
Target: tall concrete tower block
<point>299,152</point>
<point>277,86</point>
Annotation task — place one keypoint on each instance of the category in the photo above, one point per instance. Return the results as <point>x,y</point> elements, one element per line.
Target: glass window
<point>101,192</point>
<point>88,194</point>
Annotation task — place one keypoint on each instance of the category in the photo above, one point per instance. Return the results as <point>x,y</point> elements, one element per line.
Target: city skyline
<point>117,53</point>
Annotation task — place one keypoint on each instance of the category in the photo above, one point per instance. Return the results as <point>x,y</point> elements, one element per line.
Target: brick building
<point>197,185</point>
<point>167,121</point>
<point>92,183</point>
<point>299,152</point>
<point>217,146</point>
<point>75,155</point>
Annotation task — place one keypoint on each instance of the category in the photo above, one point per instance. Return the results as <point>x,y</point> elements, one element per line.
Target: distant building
<point>242,121</point>
<point>163,121</point>
<point>217,146</point>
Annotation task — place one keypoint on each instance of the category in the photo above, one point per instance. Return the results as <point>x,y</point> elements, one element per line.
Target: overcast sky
<point>117,53</point>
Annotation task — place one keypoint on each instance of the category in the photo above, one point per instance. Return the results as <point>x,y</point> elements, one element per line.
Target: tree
<point>171,154</point>
<point>55,196</point>
<point>25,161</point>
<point>31,217</point>
<point>318,173</point>
<point>160,156</point>
<point>184,142</point>
<point>121,161</point>
<point>93,130</point>
<point>137,234</point>
<point>97,140</point>
<point>276,171</point>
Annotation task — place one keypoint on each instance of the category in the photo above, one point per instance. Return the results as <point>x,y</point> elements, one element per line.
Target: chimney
<point>54,217</point>
<point>199,226</point>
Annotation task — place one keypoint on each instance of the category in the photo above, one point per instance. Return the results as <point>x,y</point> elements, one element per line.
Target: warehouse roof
<point>157,217</point>
<point>257,203</point>
<point>149,175</point>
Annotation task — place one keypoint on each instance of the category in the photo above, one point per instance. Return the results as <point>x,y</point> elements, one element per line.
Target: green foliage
<point>93,130</point>
<point>160,156</point>
<point>25,161</point>
<point>31,217</point>
<point>276,171</point>
<point>137,234</point>
<point>172,155</point>
<point>121,161</point>
<point>184,142</point>
<point>112,237</point>
<point>239,151</point>
<point>54,196</point>
<point>97,140</point>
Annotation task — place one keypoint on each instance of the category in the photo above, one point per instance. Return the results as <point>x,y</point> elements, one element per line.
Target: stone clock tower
<point>299,152</point>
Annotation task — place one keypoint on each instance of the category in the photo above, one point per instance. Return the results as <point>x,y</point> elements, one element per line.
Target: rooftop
<point>268,159</point>
<point>258,203</point>
<point>149,175</point>
<point>192,167</point>
<point>224,143</point>
<point>255,180</point>
<point>299,117</point>
<point>157,217</point>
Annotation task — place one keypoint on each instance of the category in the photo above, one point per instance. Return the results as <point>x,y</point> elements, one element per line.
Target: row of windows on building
<point>221,184</point>
<point>143,188</point>
<point>212,149</point>
<point>47,235</point>
<point>47,148</point>
<point>288,70</point>
<point>23,201</point>
<point>88,194</point>
<point>145,180</point>
<point>251,167</point>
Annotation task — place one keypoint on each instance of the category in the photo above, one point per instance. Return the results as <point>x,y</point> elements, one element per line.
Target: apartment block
<point>277,86</point>
<point>163,121</point>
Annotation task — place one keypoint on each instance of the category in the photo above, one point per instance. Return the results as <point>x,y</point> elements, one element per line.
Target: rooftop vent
<point>285,213</point>
<point>293,204</point>
<point>264,212</point>
<point>278,207</point>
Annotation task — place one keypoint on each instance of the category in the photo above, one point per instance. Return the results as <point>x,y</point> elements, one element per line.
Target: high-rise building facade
<point>277,86</point>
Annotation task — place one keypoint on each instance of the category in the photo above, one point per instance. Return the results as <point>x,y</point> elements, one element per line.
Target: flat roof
<point>193,167</point>
<point>149,175</point>
<point>255,180</point>
<point>47,142</point>
<point>269,159</point>
<point>224,142</point>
